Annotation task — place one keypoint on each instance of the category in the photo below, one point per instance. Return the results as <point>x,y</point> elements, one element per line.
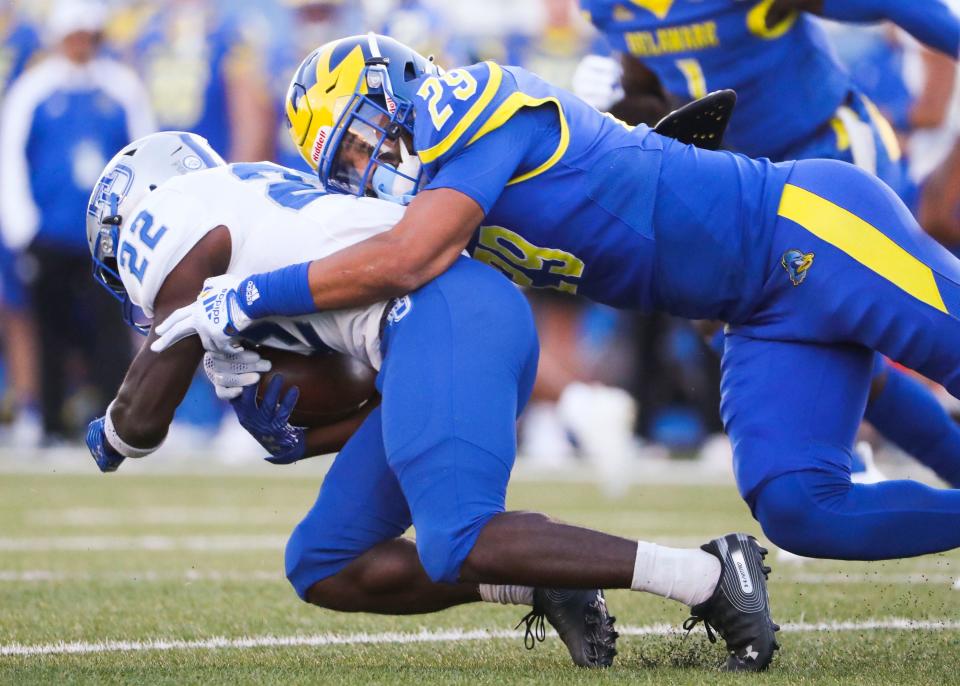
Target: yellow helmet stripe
<point>333,86</point>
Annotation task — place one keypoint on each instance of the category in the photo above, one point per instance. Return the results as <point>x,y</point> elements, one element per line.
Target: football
<point>332,386</point>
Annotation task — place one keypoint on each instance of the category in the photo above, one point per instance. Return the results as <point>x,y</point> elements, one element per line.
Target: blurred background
<point>614,387</point>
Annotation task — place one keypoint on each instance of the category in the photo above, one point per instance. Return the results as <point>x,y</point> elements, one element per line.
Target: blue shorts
<point>849,272</point>
<point>460,359</point>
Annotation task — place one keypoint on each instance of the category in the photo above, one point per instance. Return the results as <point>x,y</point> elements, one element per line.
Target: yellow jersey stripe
<point>490,90</point>
<point>861,241</point>
<point>508,108</point>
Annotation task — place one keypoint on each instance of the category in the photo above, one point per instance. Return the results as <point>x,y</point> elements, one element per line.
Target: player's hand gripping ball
<point>332,386</point>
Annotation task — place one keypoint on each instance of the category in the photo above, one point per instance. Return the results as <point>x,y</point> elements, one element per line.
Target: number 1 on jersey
<point>693,73</point>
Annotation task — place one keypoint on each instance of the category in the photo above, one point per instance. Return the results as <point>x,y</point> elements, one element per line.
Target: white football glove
<point>231,372</point>
<point>215,316</point>
<point>596,81</point>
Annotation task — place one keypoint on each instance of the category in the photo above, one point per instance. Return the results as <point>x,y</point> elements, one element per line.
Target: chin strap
<point>385,181</point>
<point>395,183</point>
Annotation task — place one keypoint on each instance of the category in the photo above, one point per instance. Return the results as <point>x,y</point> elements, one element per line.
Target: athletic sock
<point>687,575</point>
<point>907,413</point>
<point>507,595</point>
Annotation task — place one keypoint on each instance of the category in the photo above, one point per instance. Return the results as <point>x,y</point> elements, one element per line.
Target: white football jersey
<point>276,217</point>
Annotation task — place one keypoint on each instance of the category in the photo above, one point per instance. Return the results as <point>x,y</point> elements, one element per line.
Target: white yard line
<point>187,576</point>
<point>191,575</point>
<point>193,516</point>
<point>149,542</point>
<point>423,636</point>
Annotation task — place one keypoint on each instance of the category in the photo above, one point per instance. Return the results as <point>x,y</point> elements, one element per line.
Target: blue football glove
<point>270,422</point>
<point>104,455</point>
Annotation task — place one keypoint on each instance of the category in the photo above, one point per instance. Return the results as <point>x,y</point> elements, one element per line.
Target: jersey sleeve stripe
<point>489,92</point>
<point>510,107</point>
<point>863,242</point>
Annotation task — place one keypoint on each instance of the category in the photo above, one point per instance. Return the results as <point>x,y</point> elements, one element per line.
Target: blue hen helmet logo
<point>797,264</point>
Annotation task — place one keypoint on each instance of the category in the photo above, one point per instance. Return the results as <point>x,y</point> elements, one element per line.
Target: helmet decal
<point>325,89</point>
<point>321,87</point>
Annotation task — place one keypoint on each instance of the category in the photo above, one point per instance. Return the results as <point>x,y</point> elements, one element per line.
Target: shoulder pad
<point>702,122</point>
<point>161,231</point>
<point>451,108</point>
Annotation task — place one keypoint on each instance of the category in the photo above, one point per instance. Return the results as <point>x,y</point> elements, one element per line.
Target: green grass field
<point>168,557</point>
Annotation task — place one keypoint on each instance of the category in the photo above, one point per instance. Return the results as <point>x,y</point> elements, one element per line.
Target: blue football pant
<point>797,374</point>
<point>459,365</point>
<point>906,411</point>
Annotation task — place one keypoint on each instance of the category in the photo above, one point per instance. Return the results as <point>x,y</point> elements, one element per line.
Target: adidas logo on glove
<point>252,294</point>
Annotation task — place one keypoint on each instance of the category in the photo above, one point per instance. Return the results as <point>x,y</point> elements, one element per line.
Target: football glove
<point>269,422</point>
<point>596,81</point>
<point>217,316</point>
<point>231,372</point>
<point>104,455</point>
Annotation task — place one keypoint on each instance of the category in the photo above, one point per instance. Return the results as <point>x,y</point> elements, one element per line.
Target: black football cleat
<point>580,618</point>
<point>739,609</point>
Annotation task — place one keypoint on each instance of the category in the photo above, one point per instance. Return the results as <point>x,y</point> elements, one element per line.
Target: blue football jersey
<point>787,78</point>
<point>622,216</point>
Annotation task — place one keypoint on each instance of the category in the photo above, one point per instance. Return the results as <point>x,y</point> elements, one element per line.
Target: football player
<point>815,264</point>
<point>795,101</point>
<point>456,361</point>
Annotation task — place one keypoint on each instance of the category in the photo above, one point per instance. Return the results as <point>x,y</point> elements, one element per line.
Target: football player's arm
<point>156,383</point>
<point>931,22</point>
<point>437,225</point>
<point>432,233</point>
<point>434,230</point>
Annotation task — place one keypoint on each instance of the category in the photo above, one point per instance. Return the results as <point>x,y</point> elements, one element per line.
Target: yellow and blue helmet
<point>350,114</point>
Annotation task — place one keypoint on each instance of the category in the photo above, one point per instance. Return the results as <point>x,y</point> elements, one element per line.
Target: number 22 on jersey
<point>142,227</point>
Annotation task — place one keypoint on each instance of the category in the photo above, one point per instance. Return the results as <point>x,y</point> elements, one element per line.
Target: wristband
<point>281,293</point>
<point>118,444</point>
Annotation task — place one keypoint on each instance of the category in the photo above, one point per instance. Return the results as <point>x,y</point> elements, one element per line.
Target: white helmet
<point>135,171</point>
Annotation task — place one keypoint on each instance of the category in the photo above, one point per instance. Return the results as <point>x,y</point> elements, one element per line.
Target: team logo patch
<point>401,308</point>
<point>797,264</point>
<point>252,293</point>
